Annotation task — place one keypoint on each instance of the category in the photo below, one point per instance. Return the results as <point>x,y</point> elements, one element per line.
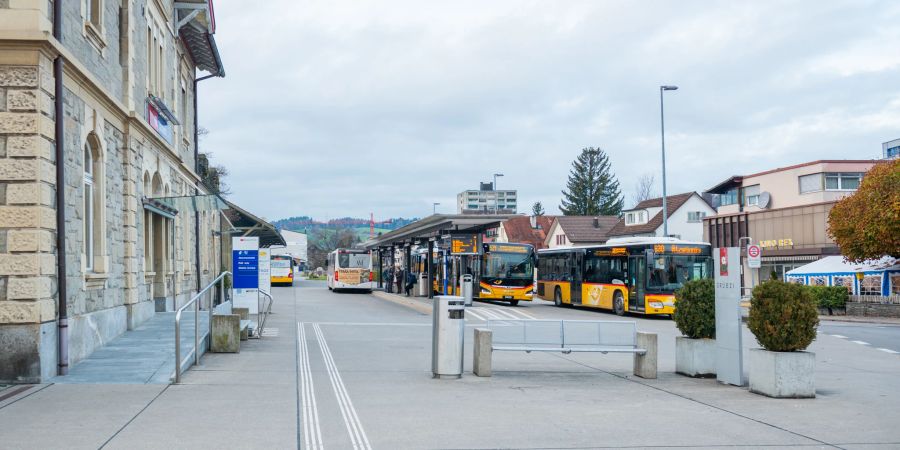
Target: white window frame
<point>697,216</point>
<point>751,195</point>
<point>840,179</point>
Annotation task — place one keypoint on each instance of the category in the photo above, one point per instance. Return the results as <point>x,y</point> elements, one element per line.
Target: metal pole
<point>177,348</point>
<point>430,265</point>
<point>662,125</point>
<point>197,332</point>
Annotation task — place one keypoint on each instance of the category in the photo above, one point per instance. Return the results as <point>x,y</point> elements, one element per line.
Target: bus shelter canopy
<point>434,226</point>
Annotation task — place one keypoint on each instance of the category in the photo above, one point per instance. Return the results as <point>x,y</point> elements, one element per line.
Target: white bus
<point>350,270</point>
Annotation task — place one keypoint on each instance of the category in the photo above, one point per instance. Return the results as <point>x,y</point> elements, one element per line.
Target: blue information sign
<point>246,269</point>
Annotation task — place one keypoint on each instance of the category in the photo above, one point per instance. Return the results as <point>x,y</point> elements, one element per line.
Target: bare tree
<point>644,188</point>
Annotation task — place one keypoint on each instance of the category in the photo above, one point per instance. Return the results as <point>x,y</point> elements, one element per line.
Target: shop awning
<point>157,206</point>
<point>196,26</point>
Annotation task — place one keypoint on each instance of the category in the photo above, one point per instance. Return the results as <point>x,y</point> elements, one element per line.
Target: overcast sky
<point>342,108</point>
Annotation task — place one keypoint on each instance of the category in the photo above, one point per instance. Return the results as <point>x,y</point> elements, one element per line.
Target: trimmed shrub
<point>783,316</point>
<point>829,297</point>
<point>695,309</point>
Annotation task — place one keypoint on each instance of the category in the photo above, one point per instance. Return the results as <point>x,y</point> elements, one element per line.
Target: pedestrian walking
<point>410,281</point>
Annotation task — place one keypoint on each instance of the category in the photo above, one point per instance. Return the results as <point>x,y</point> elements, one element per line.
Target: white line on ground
<point>887,350</point>
<point>502,312</point>
<point>351,419</point>
<point>475,314</point>
<point>861,342</point>
<point>312,433</point>
<point>839,336</point>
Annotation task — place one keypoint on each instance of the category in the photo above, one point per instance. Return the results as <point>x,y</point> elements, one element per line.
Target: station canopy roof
<point>436,225</point>
<point>246,224</point>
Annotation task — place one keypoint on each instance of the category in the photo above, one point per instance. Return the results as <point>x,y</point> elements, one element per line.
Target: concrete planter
<point>782,374</point>
<point>695,357</point>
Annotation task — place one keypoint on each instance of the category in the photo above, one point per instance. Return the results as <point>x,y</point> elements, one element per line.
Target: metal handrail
<point>194,301</point>
<point>260,317</point>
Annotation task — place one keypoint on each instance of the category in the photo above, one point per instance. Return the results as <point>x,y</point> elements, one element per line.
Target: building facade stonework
<point>127,72</point>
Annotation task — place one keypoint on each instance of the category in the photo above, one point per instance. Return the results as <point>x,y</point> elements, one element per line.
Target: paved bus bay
<point>352,370</point>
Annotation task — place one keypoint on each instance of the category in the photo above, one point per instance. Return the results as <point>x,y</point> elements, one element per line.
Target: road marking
<point>887,350</point>
<point>839,336</point>
<point>270,332</point>
<point>348,412</point>
<point>312,433</point>
<point>861,342</point>
<point>472,312</point>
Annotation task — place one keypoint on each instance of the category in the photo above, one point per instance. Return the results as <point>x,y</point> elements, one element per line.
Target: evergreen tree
<point>537,209</point>
<point>592,190</point>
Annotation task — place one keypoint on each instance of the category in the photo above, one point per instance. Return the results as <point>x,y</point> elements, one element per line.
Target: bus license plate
<point>507,297</point>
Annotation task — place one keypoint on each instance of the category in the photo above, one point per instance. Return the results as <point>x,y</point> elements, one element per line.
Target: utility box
<point>466,283</point>
<point>448,334</point>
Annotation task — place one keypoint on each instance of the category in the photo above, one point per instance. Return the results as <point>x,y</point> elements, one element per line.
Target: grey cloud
<point>342,108</point>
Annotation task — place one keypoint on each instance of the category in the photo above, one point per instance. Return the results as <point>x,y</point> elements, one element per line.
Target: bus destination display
<point>463,245</point>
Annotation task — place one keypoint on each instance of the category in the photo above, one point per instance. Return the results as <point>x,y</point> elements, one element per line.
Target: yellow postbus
<point>281,269</point>
<point>503,272</point>
<point>636,275</point>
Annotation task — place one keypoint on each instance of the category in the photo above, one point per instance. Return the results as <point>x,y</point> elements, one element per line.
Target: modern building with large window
<point>486,200</point>
<point>97,137</point>
<point>784,210</point>
<point>890,149</point>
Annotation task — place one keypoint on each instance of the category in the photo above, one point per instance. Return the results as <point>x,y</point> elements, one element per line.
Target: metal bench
<point>565,336</point>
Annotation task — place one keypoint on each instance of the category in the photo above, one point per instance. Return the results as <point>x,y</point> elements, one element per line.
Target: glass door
<point>637,278</point>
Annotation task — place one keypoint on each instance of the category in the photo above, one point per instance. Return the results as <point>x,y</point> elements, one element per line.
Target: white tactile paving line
<point>887,350</point>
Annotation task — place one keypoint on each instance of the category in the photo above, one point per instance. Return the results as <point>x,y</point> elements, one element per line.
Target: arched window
<point>89,158</point>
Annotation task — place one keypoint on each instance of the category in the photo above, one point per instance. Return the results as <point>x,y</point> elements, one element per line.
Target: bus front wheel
<point>619,304</point>
<point>513,302</point>
<point>557,297</point>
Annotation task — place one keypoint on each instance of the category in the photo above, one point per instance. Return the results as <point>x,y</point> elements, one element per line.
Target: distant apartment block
<point>486,200</point>
<point>890,149</point>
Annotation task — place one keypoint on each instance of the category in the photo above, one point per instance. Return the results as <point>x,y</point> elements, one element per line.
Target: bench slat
<point>639,351</point>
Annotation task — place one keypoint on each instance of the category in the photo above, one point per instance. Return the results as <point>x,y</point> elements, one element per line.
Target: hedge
<point>695,309</point>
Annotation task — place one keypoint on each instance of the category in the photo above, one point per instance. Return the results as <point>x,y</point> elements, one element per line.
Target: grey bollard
<point>482,352</point>
<point>645,365</point>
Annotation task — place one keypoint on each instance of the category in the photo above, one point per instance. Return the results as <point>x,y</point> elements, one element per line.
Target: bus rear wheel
<point>557,297</point>
<point>619,304</point>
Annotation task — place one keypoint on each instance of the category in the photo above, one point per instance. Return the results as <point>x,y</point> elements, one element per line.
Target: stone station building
<point>120,78</point>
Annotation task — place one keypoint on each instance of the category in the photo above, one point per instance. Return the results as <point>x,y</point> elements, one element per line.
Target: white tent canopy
<point>837,264</point>
<point>873,277</point>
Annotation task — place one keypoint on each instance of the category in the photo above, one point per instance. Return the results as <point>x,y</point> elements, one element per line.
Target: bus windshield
<point>670,272</point>
<point>353,260</point>
<point>508,265</point>
<point>281,263</point>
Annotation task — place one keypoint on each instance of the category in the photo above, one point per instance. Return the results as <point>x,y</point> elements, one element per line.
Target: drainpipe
<point>62,331</point>
<point>197,171</point>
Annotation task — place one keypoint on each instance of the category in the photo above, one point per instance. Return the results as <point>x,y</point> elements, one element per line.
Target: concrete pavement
<point>353,371</point>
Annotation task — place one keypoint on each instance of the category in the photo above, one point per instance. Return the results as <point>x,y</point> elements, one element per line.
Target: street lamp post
<point>662,126</point>
<point>496,193</point>
<point>434,208</point>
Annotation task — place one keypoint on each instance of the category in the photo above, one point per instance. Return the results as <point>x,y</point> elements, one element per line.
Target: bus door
<point>637,279</point>
<point>577,271</point>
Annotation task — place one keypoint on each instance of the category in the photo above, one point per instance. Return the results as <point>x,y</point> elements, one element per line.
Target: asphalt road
<point>885,338</point>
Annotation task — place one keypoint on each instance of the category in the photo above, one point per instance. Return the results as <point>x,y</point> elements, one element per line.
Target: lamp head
<point>668,88</point>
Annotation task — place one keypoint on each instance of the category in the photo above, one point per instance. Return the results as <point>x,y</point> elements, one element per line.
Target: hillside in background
<point>308,225</point>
